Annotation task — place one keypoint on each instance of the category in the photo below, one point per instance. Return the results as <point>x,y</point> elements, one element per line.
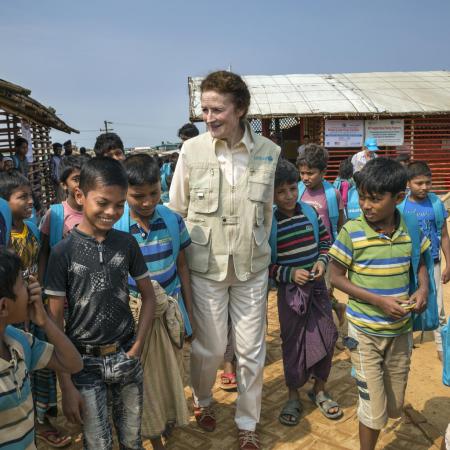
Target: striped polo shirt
<point>16,402</point>
<point>379,264</point>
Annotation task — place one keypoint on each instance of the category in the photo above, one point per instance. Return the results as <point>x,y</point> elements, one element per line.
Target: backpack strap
<point>16,161</point>
<point>164,185</point>
<point>333,207</point>
<point>273,237</point>
<point>56,223</point>
<point>337,183</point>
<point>171,221</point>
<point>301,190</point>
<point>7,216</point>
<point>436,203</point>
<point>33,228</point>
<point>353,209</point>
<point>123,224</point>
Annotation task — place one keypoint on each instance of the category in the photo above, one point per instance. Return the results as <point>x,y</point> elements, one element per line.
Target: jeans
<point>119,377</point>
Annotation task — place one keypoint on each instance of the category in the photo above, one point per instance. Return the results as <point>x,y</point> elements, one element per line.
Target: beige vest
<point>225,220</point>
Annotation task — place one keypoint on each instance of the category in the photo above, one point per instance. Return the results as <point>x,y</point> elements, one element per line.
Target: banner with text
<point>344,133</point>
<point>386,132</point>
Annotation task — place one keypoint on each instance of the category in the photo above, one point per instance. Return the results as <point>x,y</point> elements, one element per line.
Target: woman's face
<point>220,114</point>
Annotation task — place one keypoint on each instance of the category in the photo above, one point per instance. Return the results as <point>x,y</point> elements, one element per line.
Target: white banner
<point>386,132</point>
<point>344,133</point>
<point>26,134</point>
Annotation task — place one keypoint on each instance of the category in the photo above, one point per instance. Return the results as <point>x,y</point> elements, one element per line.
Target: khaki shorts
<point>381,368</point>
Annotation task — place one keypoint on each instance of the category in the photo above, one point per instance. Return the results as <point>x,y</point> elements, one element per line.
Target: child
<point>376,252</point>
<point>90,268</point>
<point>22,353</point>
<point>162,237</point>
<point>62,217</point>
<point>109,145</point>
<point>432,217</point>
<point>344,181</point>
<point>300,244</point>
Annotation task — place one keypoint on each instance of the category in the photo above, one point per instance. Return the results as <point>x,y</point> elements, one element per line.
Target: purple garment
<point>308,332</point>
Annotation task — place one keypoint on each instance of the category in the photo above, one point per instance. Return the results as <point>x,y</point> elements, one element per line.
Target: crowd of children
<point>96,252</point>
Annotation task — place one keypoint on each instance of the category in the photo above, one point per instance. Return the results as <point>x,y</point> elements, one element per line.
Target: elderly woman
<point>223,185</point>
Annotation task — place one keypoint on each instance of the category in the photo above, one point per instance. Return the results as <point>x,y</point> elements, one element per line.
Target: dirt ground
<point>427,409</point>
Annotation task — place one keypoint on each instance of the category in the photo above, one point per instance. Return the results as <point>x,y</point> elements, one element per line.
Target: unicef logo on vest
<point>264,158</point>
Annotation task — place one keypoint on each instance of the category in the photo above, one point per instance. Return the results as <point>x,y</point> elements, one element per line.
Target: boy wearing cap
<point>361,158</point>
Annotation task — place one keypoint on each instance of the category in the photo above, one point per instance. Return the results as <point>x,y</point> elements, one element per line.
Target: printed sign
<point>344,133</point>
<point>386,132</point>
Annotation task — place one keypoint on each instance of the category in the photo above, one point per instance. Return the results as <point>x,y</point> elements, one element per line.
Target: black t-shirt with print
<point>94,278</point>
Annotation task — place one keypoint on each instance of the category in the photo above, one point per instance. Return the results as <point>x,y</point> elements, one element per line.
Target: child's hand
<point>72,404</point>
<point>36,309</point>
<point>318,270</point>
<point>446,275</point>
<point>420,298</point>
<point>300,276</point>
<point>392,307</point>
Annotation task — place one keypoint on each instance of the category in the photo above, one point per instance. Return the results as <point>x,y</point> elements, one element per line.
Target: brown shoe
<point>205,417</point>
<point>248,440</point>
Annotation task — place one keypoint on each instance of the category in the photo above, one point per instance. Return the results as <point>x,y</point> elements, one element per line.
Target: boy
<point>432,217</point>
<point>109,145</point>
<point>61,218</point>
<point>20,155</point>
<point>21,353</point>
<point>300,244</point>
<point>90,268</point>
<point>162,237</point>
<point>376,251</point>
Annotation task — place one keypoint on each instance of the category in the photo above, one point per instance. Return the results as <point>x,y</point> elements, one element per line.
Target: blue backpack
<point>332,204</point>
<point>353,209</point>
<point>169,218</point>
<point>33,228</point>
<point>445,333</point>
<point>6,213</point>
<point>56,223</point>
<point>428,320</point>
<point>310,214</point>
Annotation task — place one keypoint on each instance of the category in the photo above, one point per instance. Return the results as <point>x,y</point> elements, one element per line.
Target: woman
<point>223,185</point>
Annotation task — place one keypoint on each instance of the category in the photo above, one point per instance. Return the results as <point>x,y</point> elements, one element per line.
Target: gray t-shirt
<point>94,278</point>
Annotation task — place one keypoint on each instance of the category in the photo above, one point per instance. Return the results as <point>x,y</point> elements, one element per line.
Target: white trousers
<point>440,304</point>
<point>245,303</point>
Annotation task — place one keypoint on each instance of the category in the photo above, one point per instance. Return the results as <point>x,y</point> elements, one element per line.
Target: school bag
<point>353,209</point>
<point>33,228</point>
<point>312,217</point>
<point>56,223</point>
<point>445,333</point>
<point>6,213</point>
<point>169,218</point>
<point>332,204</point>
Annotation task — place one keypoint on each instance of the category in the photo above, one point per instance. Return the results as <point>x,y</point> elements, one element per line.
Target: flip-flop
<point>291,408</point>
<point>58,441</point>
<point>324,402</point>
<point>228,381</point>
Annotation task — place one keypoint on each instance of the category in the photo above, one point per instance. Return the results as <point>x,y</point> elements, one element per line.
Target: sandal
<point>292,409</point>
<point>53,438</point>
<point>228,382</point>
<point>248,440</point>
<point>205,417</point>
<point>324,402</point>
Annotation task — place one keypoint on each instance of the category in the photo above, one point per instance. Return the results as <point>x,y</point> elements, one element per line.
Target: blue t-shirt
<point>423,210</point>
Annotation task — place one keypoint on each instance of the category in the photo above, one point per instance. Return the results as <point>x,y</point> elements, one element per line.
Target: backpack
<point>6,213</point>
<point>428,320</point>
<point>332,204</point>
<point>445,333</point>
<point>33,228</point>
<point>353,209</point>
<point>310,214</point>
<point>56,223</point>
<point>169,218</point>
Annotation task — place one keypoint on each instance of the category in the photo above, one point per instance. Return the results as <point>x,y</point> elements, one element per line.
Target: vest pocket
<point>197,254</point>
<point>260,186</point>
<point>204,190</point>
<point>260,250</point>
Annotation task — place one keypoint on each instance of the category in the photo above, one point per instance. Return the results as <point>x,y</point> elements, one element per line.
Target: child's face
<point>312,178</point>
<point>102,206</point>
<point>285,197</point>
<point>143,199</point>
<point>18,308</point>
<point>377,208</point>
<point>21,203</point>
<point>116,153</point>
<point>72,182</point>
<point>8,165</point>
<point>420,186</point>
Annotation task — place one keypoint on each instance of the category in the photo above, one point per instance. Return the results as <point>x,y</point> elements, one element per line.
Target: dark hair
<point>102,171</point>
<point>188,130</point>
<point>142,169</point>
<point>57,145</point>
<point>346,169</point>
<point>285,172</point>
<point>10,180</point>
<point>19,141</point>
<point>69,164</point>
<point>82,150</point>
<point>106,142</point>
<point>403,157</point>
<point>10,267</point>
<point>67,143</point>
<point>1,156</point>
<point>225,82</point>
<point>381,175</point>
<point>315,157</point>
<point>417,169</point>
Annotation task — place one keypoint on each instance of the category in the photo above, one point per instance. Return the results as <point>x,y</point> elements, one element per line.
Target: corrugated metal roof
<point>362,94</point>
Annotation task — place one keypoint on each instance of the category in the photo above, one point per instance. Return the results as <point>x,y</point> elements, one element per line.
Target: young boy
<point>432,217</point>
<point>22,353</point>
<point>162,238</point>
<point>90,268</point>
<point>375,250</point>
<point>109,145</point>
<point>61,218</point>
<point>300,244</point>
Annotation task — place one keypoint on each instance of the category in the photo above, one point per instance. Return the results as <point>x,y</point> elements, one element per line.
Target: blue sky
<point>128,62</point>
